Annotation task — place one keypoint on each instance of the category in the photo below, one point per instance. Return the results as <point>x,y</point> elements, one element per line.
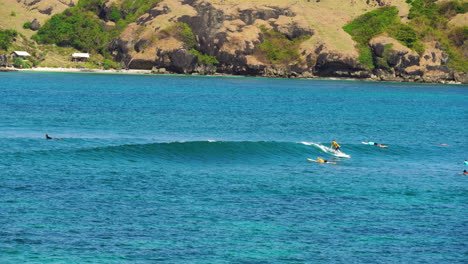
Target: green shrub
<point>19,63</point>
<point>6,38</point>
<point>458,35</point>
<point>203,58</point>
<point>114,14</point>
<point>430,21</point>
<point>27,25</point>
<point>110,64</point>
<point>376,22</point>
<point>132,9</point>
<point>382,62</point>
<point>182,32</point>
<point>81,28</point>
<point>278,49</point>
<point>452,8</point>
<point>407,36</point>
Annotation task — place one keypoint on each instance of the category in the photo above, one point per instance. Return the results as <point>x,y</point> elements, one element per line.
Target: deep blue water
<point>171,169</point>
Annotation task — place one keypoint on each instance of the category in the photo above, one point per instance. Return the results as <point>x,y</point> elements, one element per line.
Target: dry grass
<point>165,20</point>
<point>460,20</point>
<point>25,14</point>
<point>326,18</point>
<point>57,57</point>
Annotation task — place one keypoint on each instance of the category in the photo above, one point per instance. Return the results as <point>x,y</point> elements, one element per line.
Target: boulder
<point>35,25</point>
<point>3,60</point>
<point>182,61</point>
<point>461,77</point>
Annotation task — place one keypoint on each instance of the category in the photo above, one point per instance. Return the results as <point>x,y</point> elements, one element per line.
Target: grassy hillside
<point>430,20</point>
<point>82,27</point>
<point>14,13</point>
<point>326,17</point>
<point>376,22</point>
<point>427,21</point>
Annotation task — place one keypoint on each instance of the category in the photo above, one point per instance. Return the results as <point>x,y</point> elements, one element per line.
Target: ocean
<point>180,169</point>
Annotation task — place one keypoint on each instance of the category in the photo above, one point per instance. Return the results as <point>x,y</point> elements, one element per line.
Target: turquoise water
<point>169,169</point>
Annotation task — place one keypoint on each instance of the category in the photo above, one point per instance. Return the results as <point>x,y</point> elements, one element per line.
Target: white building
<point>80,56</point>
<point>20,54</point>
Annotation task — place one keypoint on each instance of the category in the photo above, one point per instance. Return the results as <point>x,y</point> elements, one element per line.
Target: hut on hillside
<point>80,57</point>
<point>20,54</point>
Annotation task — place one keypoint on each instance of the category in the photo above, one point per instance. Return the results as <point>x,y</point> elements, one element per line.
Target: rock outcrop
<point>35,25</point>
<point>3,60</point>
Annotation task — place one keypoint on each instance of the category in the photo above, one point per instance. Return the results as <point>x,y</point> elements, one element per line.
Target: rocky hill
<point>14,13</point>
<point>231,31</point>
<point>288,38</point>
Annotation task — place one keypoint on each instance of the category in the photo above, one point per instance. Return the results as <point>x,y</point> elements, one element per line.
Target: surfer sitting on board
<point>375,144</point>
<point>49,137</point>
<point>335,145</point>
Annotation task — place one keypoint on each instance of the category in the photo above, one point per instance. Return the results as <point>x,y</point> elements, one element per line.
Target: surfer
<point>49,137</point>
<point>335,145</point>
<point>375,144</point>
<point>464,172</point>
<point>320,160</point>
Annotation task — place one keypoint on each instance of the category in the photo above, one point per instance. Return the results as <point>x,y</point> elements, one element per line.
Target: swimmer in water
<point>464,172</point>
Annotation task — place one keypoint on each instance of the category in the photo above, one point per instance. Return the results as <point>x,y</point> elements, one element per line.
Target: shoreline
<point>150,72</point>
<point>85,70</point>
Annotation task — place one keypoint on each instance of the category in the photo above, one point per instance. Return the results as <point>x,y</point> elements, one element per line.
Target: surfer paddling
<point>374,144</point>
<point>464,172</point>
<point>335,145</point>
<point>320,160</point>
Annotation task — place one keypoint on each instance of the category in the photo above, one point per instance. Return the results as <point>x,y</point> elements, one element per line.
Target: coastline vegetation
<point>430,20</point>
<point>19,63</point>
<point>376,22</point>
<point>182,32</point>
<point>427,21</point>
<point>203,58</point>
<point>278,49</point>
<point>82,27</point>
<point>6,38</point>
